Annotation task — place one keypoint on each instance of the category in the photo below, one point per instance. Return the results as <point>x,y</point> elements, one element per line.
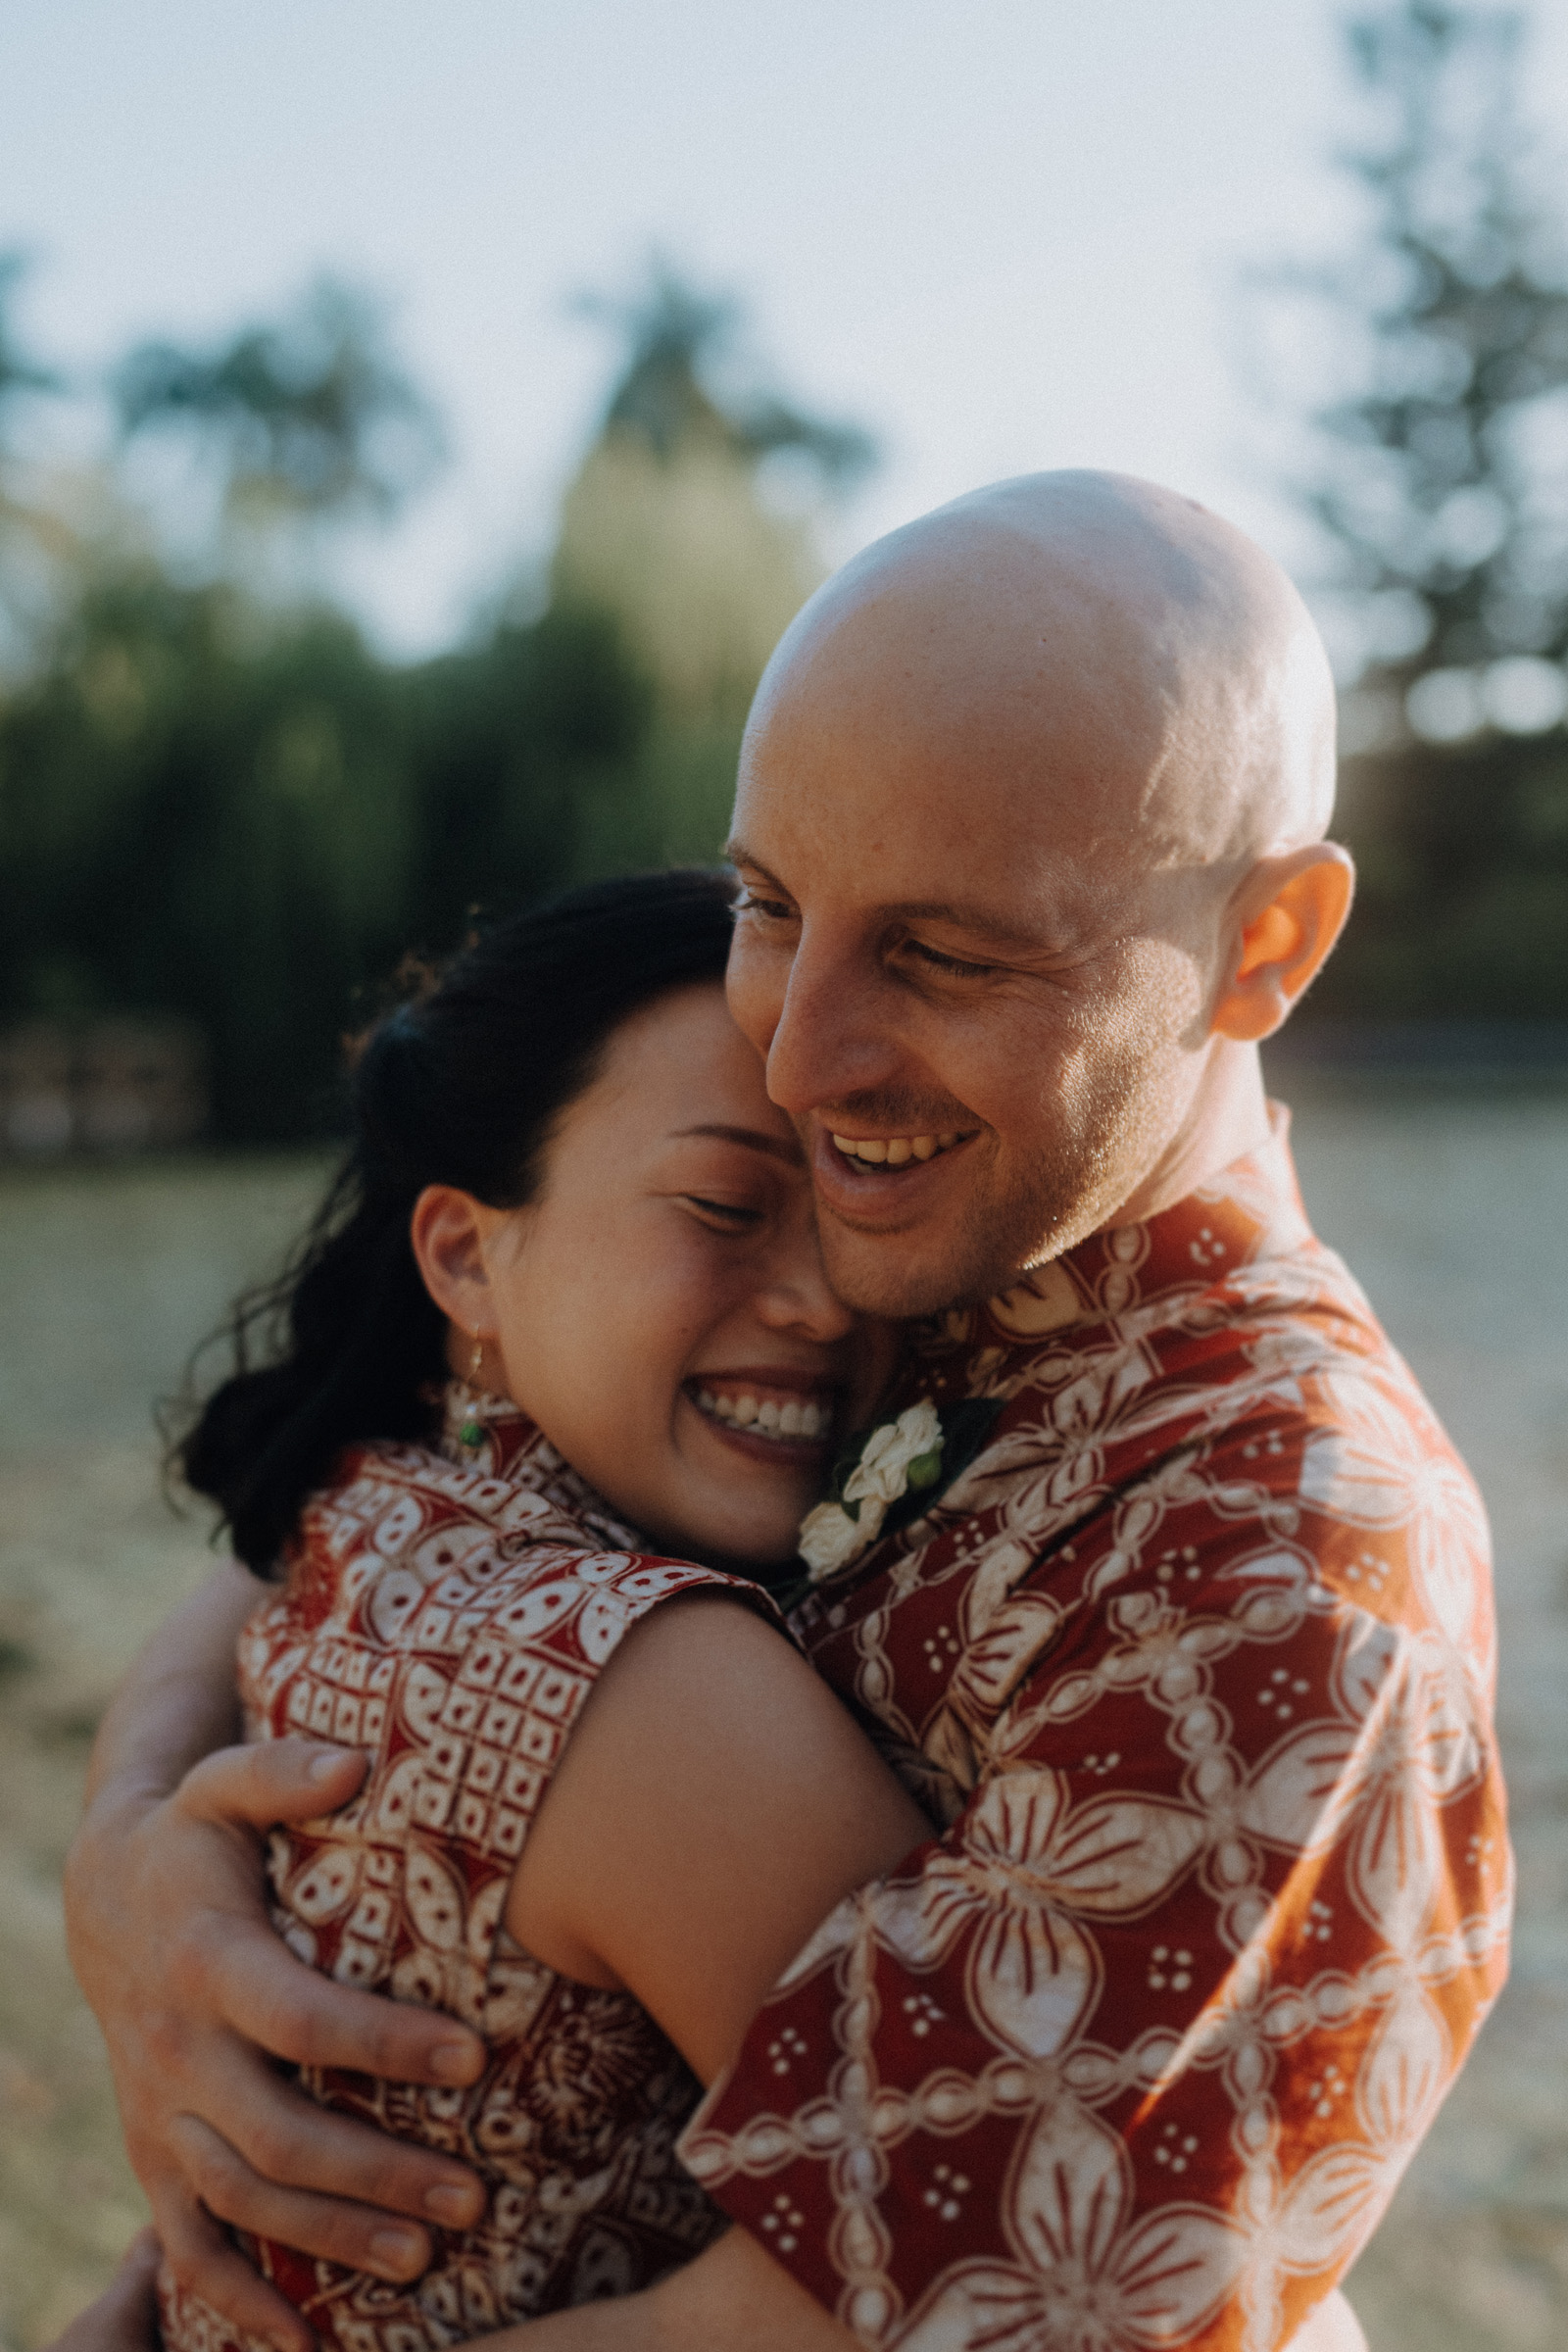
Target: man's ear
<point>446,1231</point>
<point>1282,924</point>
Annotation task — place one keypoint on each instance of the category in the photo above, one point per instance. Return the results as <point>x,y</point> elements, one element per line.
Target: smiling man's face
<point>999,1031</point>
<point>989,883</point>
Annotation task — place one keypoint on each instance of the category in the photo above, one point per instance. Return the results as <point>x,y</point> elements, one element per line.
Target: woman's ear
<point>446,1232</point>
<point>1287,915</point>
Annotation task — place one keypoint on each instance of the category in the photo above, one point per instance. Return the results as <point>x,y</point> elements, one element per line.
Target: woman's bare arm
<point>734,2298</point>
<point>713,1804</point>
<point>172,1942</point>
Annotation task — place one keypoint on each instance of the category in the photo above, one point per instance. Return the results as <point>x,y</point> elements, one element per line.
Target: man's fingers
<point>268,1995</point>
<point>206,2265</point>
<point>358,2237</point>
<point>273,1779</point>
<point>276,2142</point>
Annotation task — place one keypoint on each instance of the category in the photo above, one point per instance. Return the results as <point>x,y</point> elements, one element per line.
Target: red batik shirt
<point>1195,1661</point>
<point>449,1613</point>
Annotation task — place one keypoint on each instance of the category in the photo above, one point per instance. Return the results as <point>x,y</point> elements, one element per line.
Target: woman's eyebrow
<point>754,1141</point>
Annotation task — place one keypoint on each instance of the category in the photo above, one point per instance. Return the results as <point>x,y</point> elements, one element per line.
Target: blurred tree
<point>309,418</point>
<point>1443,487</point>
<point>674,335</point>
<point>27,528</point>
<point>18,375</point>
<point>205,815</point>
<point>678,526</point>
<point>528,753</point>
<point>246,818</point>
<point>222,804</point>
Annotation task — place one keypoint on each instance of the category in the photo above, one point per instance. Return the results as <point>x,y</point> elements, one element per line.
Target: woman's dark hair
<point>461,1084</point>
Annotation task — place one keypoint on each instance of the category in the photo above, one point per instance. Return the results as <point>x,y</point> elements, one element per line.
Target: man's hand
<point>172,1945</point>
<point>124,2317</point>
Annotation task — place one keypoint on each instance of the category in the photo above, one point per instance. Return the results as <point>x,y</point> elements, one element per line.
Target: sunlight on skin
<point>1030,819</point>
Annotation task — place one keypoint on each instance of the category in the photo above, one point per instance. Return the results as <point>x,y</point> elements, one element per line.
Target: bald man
<point>1187,1638</point>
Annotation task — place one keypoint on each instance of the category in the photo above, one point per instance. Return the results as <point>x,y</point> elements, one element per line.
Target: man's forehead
<point>1010,901</point>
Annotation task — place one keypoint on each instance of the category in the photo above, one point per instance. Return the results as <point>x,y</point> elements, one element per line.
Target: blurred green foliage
<point>218,802</point>
<point>1440,484</point>
<point>244,819</point>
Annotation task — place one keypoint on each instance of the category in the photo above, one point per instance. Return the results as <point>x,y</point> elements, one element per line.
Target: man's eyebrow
<point>753,1140</point>
<point>969,918</point>
<point>1001,935</point>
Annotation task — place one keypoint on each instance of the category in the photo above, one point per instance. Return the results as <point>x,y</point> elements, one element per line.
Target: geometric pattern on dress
<point>449,1613</point>
<point>1195,1664</point>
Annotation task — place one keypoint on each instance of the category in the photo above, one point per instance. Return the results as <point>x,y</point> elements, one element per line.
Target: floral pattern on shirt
<point>1194,1661</point>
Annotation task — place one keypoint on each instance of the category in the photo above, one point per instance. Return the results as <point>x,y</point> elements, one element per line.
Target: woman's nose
<point>795,1297</point>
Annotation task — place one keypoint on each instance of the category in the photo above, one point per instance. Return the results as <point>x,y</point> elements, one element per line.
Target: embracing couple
<point>1043,1902</point>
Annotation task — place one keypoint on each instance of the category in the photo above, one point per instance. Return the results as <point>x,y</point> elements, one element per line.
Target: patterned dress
<point>449,1612</point>
<point>1195,1657</point>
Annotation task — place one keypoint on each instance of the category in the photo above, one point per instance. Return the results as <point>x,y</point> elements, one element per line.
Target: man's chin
<point>903,1277</point>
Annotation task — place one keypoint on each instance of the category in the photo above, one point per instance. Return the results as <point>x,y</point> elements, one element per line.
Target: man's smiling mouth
<point>894,1150</point>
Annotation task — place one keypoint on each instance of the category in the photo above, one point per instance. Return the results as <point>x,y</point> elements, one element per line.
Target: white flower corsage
<point>896,1456</point>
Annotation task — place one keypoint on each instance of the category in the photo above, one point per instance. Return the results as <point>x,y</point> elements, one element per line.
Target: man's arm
<point>734,2298</point>
<point>172,1945</point>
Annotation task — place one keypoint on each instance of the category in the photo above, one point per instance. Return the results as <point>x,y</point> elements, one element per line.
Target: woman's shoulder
<point>454,1634</point>
<point>471,1571</point>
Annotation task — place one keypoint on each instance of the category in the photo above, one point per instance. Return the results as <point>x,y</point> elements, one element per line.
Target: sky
<point>1002,234</point>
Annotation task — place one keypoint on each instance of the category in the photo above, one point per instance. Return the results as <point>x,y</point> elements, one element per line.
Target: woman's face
<point>660,1310</point>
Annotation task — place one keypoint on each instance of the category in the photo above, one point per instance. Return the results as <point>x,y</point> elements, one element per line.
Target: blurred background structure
<point>334,616</point>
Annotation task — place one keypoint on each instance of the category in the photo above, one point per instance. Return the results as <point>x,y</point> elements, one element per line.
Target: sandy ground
<point>1453,1212</point>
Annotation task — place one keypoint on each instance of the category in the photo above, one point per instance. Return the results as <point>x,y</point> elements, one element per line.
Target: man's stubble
<point>1110,1132</point>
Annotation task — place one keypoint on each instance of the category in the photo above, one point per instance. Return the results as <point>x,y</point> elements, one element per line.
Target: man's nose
<point>833,1039</point>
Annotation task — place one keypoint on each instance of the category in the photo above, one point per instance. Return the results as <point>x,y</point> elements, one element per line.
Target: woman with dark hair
<point>557,1354</point>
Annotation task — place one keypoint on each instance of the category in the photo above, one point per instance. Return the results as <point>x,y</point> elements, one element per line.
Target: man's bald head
<point>1030,816</point>
<point>1141,660</point>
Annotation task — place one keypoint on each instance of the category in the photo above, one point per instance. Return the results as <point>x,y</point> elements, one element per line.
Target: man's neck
<point>1227,1118</point>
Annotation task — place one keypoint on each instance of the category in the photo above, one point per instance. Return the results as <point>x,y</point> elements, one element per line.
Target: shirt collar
<point>1248,1212</point>
<point>491,1434</point>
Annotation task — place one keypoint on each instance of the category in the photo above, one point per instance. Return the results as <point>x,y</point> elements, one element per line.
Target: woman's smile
<point>768,1413</point>
<point>660,1308</point>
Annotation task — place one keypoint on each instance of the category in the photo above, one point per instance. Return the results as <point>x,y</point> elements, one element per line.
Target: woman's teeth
<point>894,1150</point>
<point>764,1418</point>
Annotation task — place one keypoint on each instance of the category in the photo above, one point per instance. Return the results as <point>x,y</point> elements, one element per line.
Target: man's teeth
<point>766,1419</point>
<point>893,1150</point>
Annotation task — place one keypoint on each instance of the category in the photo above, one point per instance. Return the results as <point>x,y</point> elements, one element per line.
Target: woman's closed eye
<point>728,1216</point>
